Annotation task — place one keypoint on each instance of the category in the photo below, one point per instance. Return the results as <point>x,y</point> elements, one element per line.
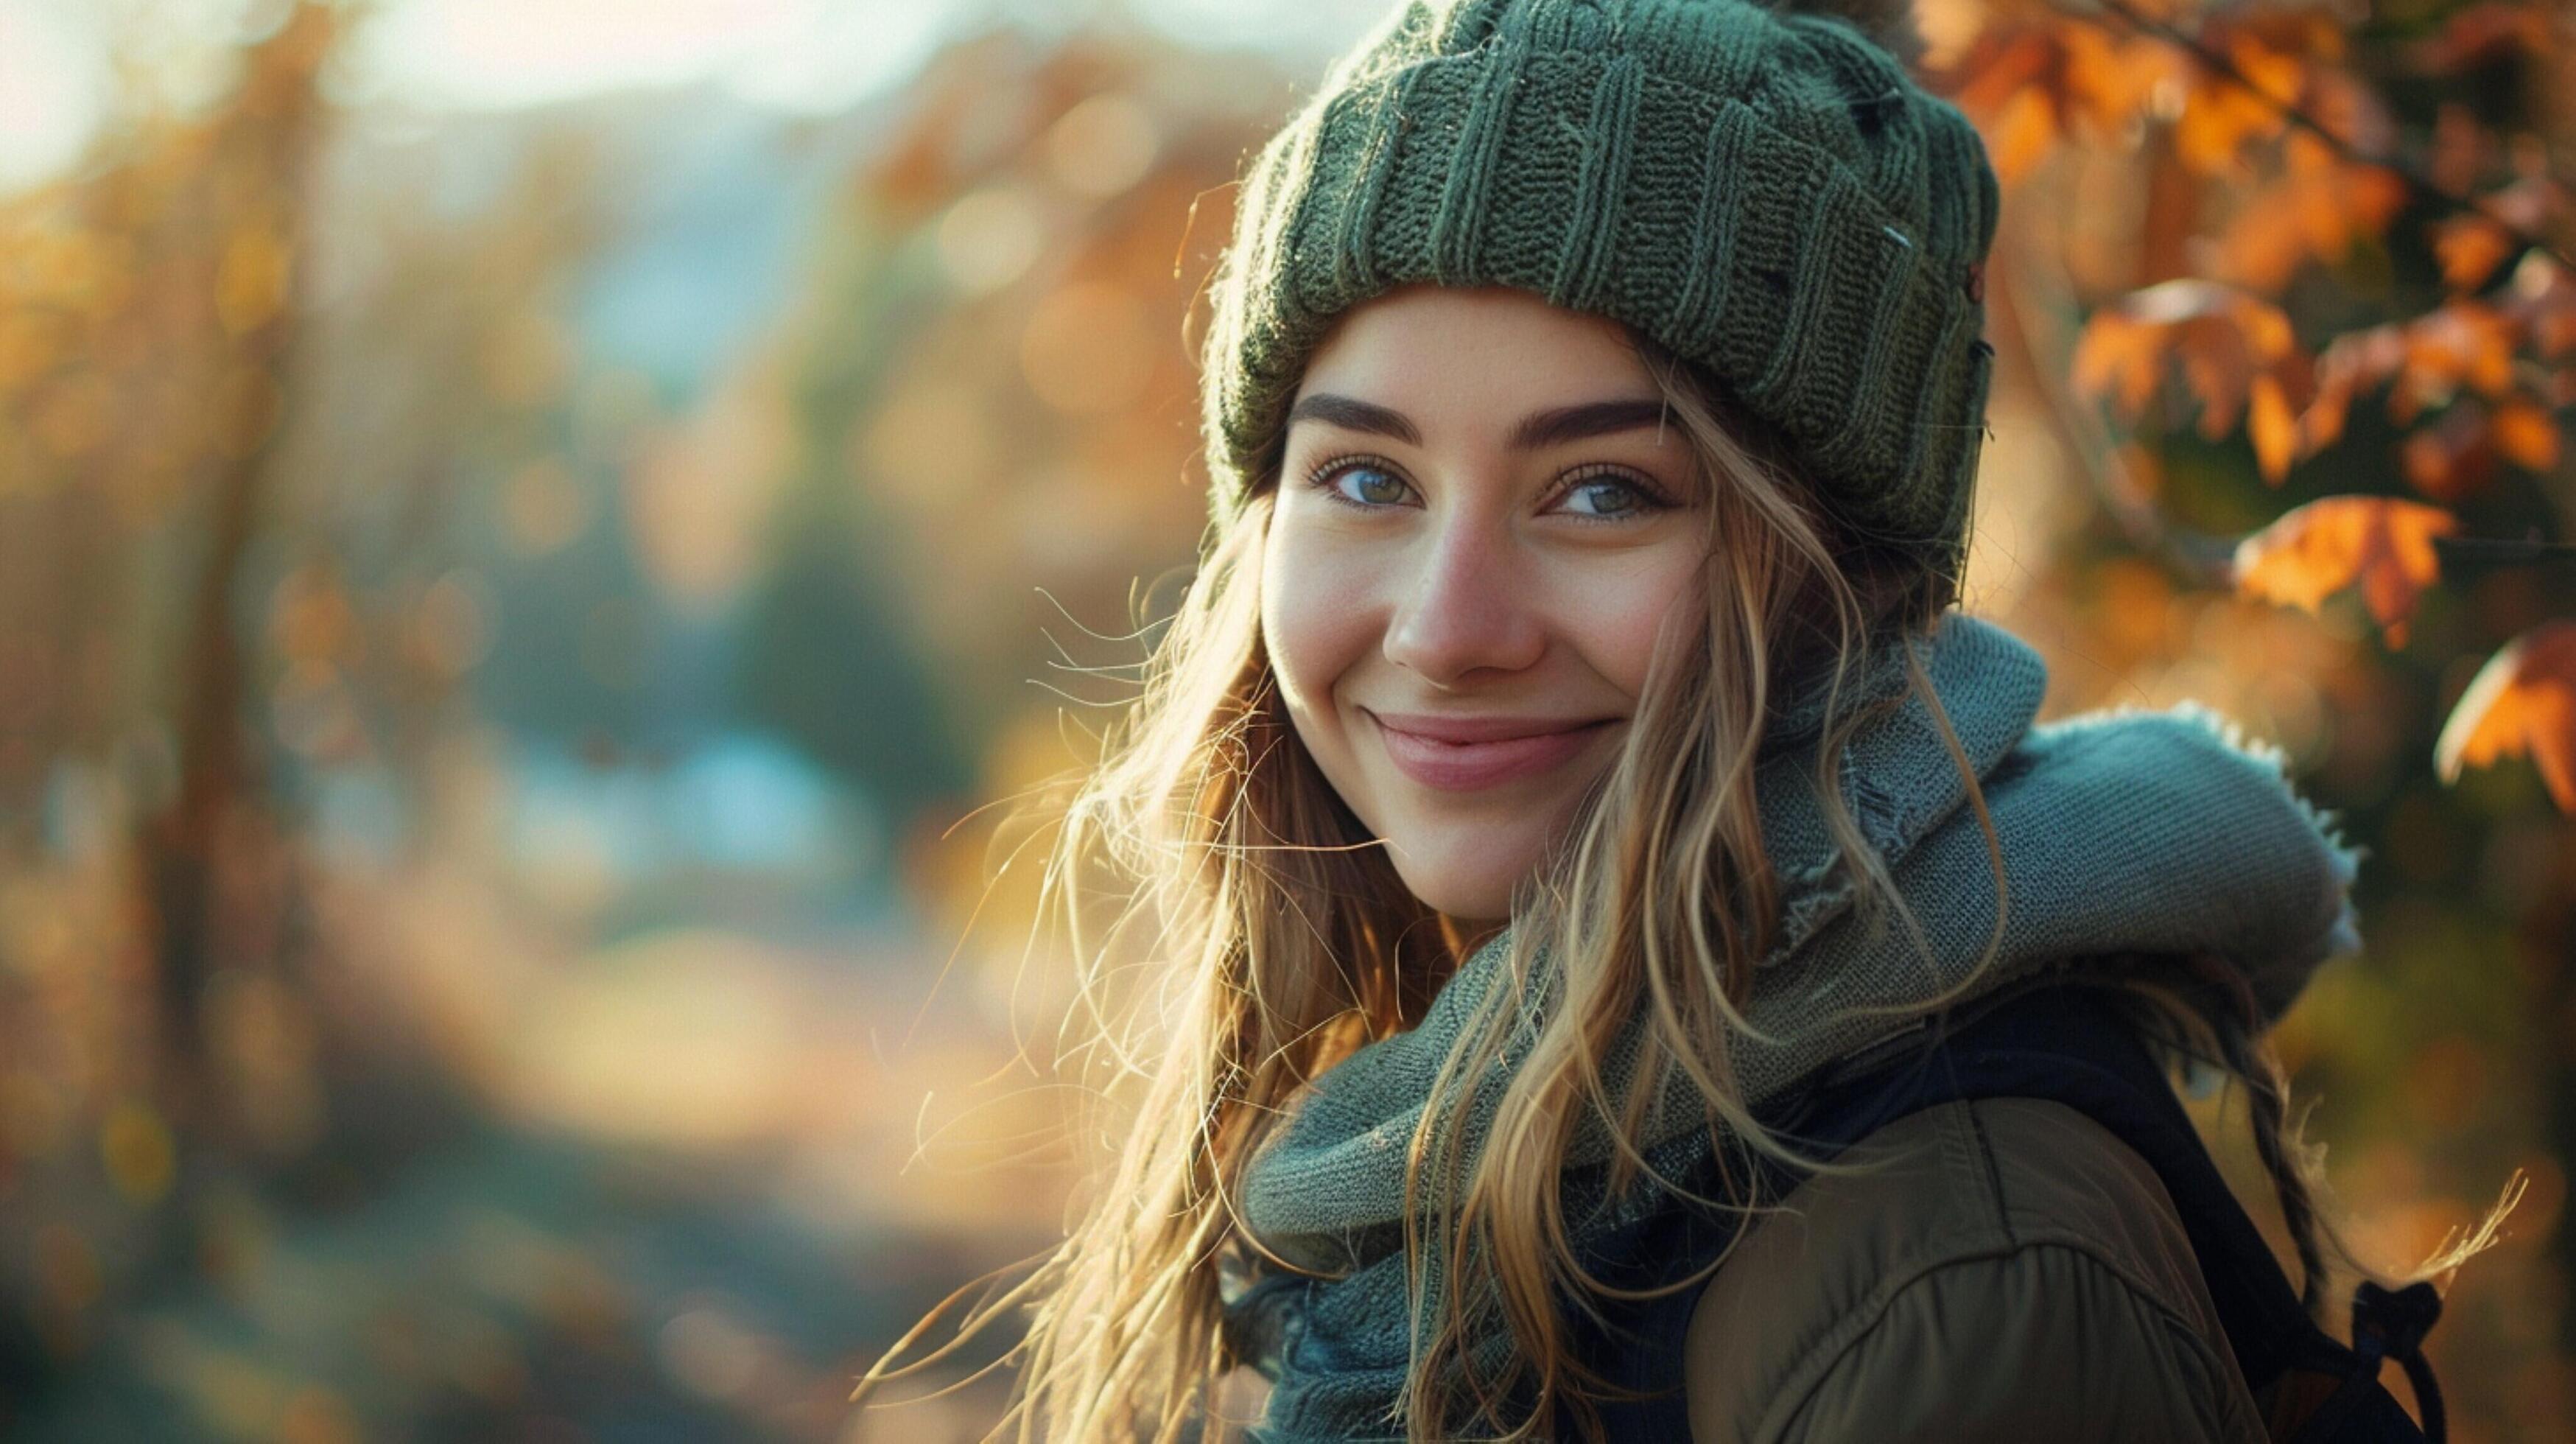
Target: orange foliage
<point>2427,362</point>
<point>2036,75</point>
<point>2311,552</point>
<point>2220,117</point>
<point>2470,248</point>
<point>2451,458</point>
<point>2233,347</point>
<point>2032,83</point>
<point>2461,342</point>
<point>2272,427</point>
<point>2317,209</point>
<point>2522,701</point>
<point>2526,434</point>
<point>2458,377</point>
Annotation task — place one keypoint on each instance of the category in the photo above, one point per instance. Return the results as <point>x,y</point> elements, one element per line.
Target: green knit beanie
<point>1768,194</point>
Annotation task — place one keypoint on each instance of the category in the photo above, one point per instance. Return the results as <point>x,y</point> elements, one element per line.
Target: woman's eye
<point>1367,485</point>
<point>1608,496</point>
<point>1601,497</point>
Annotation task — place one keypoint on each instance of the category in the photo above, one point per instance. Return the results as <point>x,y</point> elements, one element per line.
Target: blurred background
<point>534,535</point>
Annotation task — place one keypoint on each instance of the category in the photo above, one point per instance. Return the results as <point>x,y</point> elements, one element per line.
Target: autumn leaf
<point>2316,212</point>
<point>2453,457</point>
<point>2465,344</point>
<point>2350,363</point>
<point>2523,701</point>
<point>2470,248</point>
<point>2385,544</point>
<point>2461,342</point>
<point>2224,114</point>
<point>2014,85</point>
<point>2231,346</point>
<point>2273,429</point>
<point>2320,203</point>
<point>2043,78</point>
<point>2526,434</point>
<point>2118,358</point>
<point>2005,61</point>
<point>2108,79</point>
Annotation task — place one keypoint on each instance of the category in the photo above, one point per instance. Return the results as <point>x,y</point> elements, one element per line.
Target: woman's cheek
<point>1619,615</point>
<point>1316,612</point>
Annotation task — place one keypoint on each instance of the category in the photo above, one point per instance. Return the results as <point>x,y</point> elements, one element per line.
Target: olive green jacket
<point>2014,1273</point>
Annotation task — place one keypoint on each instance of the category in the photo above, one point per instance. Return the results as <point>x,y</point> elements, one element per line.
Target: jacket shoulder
<point>2006,1269</point>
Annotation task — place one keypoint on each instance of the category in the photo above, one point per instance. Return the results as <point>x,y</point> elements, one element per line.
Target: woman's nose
<point>1462,605</point>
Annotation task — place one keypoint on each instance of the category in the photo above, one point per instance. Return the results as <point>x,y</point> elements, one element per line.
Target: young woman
<point>1568,759</point>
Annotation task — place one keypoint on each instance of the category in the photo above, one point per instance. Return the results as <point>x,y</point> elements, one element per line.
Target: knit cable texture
<point>1768,194</point>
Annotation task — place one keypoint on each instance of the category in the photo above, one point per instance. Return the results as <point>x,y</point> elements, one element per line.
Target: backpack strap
<point>2386,1323</point>
<point>2068,1043</point>
<point>2065,1043</point>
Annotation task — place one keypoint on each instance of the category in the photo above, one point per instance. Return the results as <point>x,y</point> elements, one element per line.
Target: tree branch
<point>2530,551</point>
<point>2416,181</point>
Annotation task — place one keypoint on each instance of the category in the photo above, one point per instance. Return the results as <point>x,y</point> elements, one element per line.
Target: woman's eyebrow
<point>1552,427</point>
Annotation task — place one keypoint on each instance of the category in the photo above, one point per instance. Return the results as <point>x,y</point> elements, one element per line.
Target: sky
<point>802,55</point>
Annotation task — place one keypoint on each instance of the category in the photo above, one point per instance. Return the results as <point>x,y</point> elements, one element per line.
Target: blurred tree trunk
<point>261,162</point>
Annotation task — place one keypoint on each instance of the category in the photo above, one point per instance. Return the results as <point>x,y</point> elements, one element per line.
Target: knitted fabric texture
<point>1767,194</point>
<point>2133,832</point>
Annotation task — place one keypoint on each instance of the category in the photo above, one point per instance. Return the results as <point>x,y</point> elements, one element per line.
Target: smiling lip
<point>1463,754</point>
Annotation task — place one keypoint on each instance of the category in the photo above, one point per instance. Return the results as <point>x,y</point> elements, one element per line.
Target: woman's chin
<point>1473,889</point>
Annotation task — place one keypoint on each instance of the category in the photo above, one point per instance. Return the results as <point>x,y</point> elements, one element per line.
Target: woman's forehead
<point>1480,349</point>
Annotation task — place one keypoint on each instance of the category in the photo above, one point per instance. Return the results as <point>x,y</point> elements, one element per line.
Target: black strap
<point>2068,1043</point>
<point>2393,1322</point>
<point>2386,1323</point>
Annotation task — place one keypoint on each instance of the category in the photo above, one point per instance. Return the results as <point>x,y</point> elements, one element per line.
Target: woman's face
<point>1484,517</point>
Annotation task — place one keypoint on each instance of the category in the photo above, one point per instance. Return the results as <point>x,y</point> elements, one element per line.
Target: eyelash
<point>1322,474</point>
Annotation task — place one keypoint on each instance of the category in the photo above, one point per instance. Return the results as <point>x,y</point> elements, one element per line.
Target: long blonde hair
<point>1280,939</point>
